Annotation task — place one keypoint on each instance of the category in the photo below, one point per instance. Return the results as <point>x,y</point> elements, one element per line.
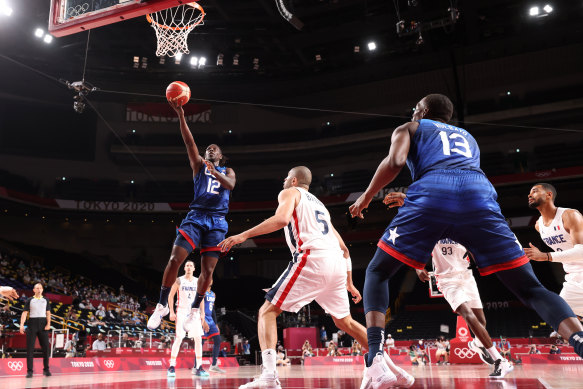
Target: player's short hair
<point>190,260</point>
<point>303,175</point>
<point>439,106</point>
<point>39,283</point>
<point>549,188</point>
<point>224,158</point>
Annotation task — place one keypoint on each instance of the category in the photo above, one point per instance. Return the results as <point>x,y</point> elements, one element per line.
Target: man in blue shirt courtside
<point>204,226</point>
<point>450,197</point>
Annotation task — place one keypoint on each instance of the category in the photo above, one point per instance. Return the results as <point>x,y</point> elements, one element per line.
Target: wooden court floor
<point>303,377</point>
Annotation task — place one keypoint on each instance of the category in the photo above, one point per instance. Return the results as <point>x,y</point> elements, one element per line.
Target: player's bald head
<point>302,174</point>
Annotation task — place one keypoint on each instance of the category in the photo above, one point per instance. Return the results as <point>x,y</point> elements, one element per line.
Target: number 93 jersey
<point>209,195</point>
<point>438,146</point>
<point>449,257</point>
<point>310,227</point>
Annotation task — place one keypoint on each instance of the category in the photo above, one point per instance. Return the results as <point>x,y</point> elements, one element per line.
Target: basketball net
<point>173,25</point>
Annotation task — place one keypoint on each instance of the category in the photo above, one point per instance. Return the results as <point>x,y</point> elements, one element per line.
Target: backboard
<point>72,16</point>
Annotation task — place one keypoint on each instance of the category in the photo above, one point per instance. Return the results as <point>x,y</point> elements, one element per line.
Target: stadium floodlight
<point>372,46</point>
<point>177,58</point>
<point>201,62</point>
<point>48,38</point>
<point>39,32</point>
<point>194,61</point>
<point>5,9</point>
<point>548,9</point>
<point>534,11</point>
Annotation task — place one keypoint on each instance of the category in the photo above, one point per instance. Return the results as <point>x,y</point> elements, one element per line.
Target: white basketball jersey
<point>448,257</point>
<point>186,293</point>
<point>556,237</point>
<point>310,227</point>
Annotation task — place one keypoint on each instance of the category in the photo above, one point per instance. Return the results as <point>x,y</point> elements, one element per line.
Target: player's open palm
<point>231,241</point>
<point>534,254</point>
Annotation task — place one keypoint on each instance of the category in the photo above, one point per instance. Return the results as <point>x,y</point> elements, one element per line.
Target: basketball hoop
<point>173,25</point>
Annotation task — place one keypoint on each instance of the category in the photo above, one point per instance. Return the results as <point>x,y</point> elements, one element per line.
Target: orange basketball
<point>178,91</point>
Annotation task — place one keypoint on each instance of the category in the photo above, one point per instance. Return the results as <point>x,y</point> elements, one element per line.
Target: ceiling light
<point>39,32</point>
<point>201,62</point>
<point>372,46</point>
<point>318,57</point>
<point>548,9</point>
<point>220,59</point>
<point>533,11</point>
<point>48,38</point>
<point>236,60</point>
<point>194,61</point>
<point>162,60</point>
<point>136,59</point>
<point>5,9</point>
<point>357,49</point>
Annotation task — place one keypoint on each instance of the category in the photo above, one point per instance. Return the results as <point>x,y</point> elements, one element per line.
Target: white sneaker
<point>216,369</point>
<point>378,375</point>
<point>267,380</point>
<point>404,379</point>
<point>156,318</point>
<point>189,323</point>
<point>501,368</point>
<point>482,352</point>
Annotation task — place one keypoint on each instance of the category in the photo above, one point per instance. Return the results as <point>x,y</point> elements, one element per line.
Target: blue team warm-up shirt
<point>450,197</point>
<point>209,315</point>
<point>205,225</point>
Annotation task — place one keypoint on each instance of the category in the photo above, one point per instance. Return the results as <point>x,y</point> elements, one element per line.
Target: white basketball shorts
<point>315,275</point>
<point>459,288</point>
<point>572,293</point>
<point>181,315</point>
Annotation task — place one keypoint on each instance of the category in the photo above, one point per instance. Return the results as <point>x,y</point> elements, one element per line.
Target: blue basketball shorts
<point>213,330</point>
<point>203,230</point>
<point>456,204</point>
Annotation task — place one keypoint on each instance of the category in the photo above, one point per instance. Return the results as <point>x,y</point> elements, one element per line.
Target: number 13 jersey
<point>437,146</point>
<point>310,227</point>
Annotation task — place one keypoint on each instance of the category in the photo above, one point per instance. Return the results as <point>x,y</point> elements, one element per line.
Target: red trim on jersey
<point>293,279</point>
<point>210,249</point>
<point>504,266</point>
<point>401,257</point>
<point>185,235</point>
<point>300,243</point>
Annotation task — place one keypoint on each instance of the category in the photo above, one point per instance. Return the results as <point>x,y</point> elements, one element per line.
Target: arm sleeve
<point>571,255</point>
<point>348,264</point>
<point>27,305</point>
<point>214,315</point>
<point>48,304</point>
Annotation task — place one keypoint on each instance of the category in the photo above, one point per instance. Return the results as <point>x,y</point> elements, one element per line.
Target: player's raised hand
<point>359,205</point>
<point>226,244</point>
<point>356,297</point>
<point>423,275</point>
<point>177,107</point>
<point>535,254</point>
<point>8,292</point>
<point>394,199</point>
<point>211,167</point>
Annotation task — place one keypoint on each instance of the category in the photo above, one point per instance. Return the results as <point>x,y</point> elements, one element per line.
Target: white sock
<point>269,358</point>
<point>198,351</point>
<point>494,353</point>
<point>173,362</point>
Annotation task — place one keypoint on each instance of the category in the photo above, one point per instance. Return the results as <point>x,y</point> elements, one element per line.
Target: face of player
<point>537,197</point>
<point>289,181</point>
<point>213,153</point>
<point>189,268</point>
<point>38,289</point>
<point>420,111</point>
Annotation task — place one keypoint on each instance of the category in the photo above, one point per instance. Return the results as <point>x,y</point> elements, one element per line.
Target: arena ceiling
<point>253,29</point>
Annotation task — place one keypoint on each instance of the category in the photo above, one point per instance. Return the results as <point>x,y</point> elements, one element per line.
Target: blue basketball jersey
<point>209,195</point>
<point>209,305</point>
<point>437,146</point>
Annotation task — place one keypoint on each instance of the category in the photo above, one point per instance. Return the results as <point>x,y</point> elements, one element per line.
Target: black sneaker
<point>47,373</point>
<point>482,353</point>
<point>501,368</point>
<point>29,374</point>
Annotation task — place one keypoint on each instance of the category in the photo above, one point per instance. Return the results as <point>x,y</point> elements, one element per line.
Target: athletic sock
<point>269,360</point>
<point>164,292</point>
<point>494,353</point>
<point>376,337</point>
<point>197,300</point>
<point>576,340</point>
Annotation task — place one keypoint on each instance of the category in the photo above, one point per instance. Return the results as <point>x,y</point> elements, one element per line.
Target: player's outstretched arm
<point>288,199</point>
<point>193,154</point>
<point>8,292</point>
<point>573,222</point>
<point>388,169</point>
<point>173,291</point>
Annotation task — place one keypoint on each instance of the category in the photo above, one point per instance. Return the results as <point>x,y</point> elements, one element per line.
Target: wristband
<point>348,264</point>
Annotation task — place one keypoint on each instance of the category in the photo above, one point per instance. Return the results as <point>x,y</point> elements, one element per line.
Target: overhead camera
<point>400,26</point>
<point>82,88</point>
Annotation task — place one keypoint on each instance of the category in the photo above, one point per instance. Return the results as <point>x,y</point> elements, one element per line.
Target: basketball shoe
<point>171,371</point>
<point>189,323</point>
<point>501,368</point>
<point>157,315</point>
<point>404,379</point>
<point>378,375</point>
<point>216,369</point>
<point>266,380</point>
<point>482,352</point>
<point>200,372</point>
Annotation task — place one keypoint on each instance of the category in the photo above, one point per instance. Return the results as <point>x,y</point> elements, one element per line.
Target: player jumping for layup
<point>185,286</point>
<point>562,230</point>
<point>321,270</point>
<point>450,196</point>
<point>204,226</point>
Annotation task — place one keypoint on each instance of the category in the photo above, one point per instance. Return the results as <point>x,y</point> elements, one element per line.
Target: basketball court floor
<point>299,377</point>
